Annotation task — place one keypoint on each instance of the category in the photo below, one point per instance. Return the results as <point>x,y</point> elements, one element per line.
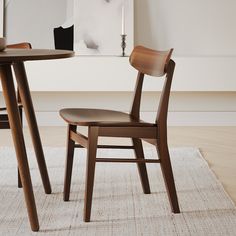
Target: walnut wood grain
<point>94,117</point>
<point>23,45</point>
<point>14,54</point>
<point>18,138</point>
<point>150,62</point>
<point>26,100</point>
<point>109,123</point>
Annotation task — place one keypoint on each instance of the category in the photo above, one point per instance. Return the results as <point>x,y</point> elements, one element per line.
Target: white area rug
<point>119,206</point>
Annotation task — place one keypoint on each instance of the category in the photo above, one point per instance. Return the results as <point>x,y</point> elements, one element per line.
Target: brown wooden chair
<point>4,122</point>
<point>119,124</point>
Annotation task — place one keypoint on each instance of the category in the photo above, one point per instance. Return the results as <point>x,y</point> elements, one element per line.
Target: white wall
<point>116,74</point>
<point>21,21</point>
<point>1,18</point>
<point>191,27</point>
<point>202,30</point>
<point>202,34</point>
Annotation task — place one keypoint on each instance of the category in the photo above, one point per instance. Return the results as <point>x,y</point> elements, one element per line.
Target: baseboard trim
<point>174,118</point>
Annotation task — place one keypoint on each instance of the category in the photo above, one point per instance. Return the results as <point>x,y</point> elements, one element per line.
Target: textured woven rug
<point>119,206</point>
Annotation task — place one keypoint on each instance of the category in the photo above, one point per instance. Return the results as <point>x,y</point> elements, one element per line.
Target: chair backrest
<point>150,62</point>
<point>23,45</point>
<point>157,64</point>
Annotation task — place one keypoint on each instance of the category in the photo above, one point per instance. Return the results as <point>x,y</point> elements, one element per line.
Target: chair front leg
<point>69,163</point>
<point>90,171</point>
<point>138,150</point>
<point>163,153</point>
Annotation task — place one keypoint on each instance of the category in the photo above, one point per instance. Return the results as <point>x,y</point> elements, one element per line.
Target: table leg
<point>21,119</point>
<point>18,138</point>
<point>27,103</point>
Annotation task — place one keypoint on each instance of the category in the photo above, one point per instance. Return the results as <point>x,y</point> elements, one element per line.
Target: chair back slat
<point>150,62</point>
<point>23,45</point>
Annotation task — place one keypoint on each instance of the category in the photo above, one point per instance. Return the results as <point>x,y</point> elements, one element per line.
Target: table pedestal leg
<point>18,138</point>
<point>31,119</point>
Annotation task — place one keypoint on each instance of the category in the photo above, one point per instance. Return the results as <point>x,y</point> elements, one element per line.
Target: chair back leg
<point>90,171</point>
<point>139,154</point>
<point>163,153</point>
<point>69,163</point>
<point>21,119</point>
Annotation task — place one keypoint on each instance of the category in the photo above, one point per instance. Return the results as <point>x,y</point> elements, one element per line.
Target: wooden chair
<point>119,124</point>
<point>4,122</point>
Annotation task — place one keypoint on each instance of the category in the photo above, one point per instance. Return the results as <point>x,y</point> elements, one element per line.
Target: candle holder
<point>123,44</point>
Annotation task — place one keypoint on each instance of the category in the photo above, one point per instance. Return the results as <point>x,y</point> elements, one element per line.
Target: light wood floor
<point>217,144</point>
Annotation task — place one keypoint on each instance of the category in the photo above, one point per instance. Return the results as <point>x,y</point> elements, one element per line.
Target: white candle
<point>123,20</point>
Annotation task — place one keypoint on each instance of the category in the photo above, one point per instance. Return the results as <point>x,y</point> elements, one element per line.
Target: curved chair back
<point>150,62</point>
<point>23,45</point>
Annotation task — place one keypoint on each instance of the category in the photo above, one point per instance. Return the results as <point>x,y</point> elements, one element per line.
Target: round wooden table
<point>16,58</point>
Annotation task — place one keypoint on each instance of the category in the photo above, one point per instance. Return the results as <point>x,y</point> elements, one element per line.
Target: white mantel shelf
<point>115,74</point>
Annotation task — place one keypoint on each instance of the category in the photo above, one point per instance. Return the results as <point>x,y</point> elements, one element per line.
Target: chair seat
<point>98,117</point>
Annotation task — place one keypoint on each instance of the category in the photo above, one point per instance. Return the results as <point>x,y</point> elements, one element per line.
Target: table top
<point>15,55</point>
